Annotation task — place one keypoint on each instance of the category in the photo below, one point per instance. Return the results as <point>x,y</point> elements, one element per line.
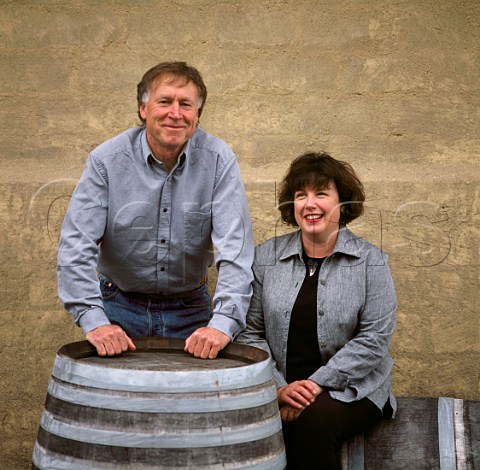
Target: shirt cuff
<point>92,318</point>
<point>225,324</point>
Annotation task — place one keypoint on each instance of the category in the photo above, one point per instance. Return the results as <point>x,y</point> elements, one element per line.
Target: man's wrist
<point>92,319</point>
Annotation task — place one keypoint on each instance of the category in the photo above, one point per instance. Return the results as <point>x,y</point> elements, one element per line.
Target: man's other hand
<point>206,342</point>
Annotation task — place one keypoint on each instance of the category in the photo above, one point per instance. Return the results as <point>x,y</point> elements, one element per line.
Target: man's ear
<point>143,114</point>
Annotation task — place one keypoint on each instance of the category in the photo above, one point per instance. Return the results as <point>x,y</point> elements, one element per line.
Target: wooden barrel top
<point>163,354</point>
<point>161,365</point>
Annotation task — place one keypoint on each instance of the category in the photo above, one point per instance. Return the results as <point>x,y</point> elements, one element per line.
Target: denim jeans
<point>143,315</point>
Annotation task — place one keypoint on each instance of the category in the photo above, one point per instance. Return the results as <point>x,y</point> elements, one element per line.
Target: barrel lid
<point>163,354</point>
<point>160,364</point>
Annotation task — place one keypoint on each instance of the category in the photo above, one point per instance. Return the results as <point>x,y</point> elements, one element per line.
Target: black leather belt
<point>179,295</point>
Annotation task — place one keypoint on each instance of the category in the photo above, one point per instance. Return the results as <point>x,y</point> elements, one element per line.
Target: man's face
<point>171,115</point>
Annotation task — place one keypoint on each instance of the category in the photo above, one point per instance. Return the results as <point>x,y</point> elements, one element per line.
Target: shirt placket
<point>321,306</point>
<point>163,241</point>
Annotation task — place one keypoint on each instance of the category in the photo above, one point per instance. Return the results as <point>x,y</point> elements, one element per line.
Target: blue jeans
<point>149,315</point>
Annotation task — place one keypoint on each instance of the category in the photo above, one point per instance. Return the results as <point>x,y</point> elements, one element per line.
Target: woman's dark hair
<point>318,170</point>
<point>176,70</point>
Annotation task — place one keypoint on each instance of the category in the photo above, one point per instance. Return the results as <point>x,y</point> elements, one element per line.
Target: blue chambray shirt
<point>154,231</point>
<point>356,304</point>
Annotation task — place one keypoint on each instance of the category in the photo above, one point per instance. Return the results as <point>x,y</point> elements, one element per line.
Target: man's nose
<point>175,111</point>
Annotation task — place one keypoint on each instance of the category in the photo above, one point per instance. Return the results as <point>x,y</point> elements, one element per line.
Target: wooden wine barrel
<point>427,434</point>
<point>160,408</point>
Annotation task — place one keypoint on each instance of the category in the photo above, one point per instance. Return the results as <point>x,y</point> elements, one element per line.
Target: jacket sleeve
<point>254,333</point>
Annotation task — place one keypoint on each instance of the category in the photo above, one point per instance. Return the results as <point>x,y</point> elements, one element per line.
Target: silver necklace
<point>312,266</point>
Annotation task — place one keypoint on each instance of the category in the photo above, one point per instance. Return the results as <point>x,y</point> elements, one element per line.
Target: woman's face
<point>317,211</point>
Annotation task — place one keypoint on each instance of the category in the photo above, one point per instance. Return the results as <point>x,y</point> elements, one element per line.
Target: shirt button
<point>322,344</point>
<point>165,209</point>
<point>162,241</point>
<point>162,269</point>
<point>321,312</point>
<point>322,282</point>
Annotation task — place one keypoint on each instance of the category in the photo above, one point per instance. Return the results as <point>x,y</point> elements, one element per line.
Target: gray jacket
<point>356,306</point>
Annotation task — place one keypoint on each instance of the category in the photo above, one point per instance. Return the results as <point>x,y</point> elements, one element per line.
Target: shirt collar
<point>146,152</point>
<point>346,244</point>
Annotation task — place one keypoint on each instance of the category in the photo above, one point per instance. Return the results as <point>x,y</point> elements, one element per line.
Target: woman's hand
<point>288,413</point>
<point>299,394</point>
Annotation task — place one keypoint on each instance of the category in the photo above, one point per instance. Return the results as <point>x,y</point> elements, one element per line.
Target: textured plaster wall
<point>390,86</point>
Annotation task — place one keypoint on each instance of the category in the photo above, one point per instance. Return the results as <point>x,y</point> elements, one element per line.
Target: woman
<point>323,306</point>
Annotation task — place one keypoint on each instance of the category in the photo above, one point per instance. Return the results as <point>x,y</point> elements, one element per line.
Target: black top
<point>303,353</point>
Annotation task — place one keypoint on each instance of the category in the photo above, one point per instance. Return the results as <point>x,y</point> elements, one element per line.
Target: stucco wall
<point>390,86</point>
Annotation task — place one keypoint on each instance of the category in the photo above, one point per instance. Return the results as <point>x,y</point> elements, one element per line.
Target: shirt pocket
<point>198,229</point>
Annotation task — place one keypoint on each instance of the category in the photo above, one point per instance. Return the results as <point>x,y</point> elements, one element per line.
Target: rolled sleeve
<point>331,378</point>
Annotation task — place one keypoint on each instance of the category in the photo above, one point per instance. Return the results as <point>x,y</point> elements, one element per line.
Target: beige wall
<point>390,86</point>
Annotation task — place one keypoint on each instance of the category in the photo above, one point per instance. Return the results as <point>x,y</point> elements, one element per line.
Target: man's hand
<point>299,394</point>
<point>206,342</point>
<point>110,340</point>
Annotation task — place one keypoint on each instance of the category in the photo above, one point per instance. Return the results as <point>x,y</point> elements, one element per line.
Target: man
<point>139,232</point>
